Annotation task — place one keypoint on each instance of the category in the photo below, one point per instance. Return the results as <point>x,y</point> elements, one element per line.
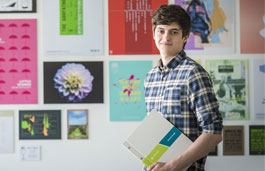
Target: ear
<point>185,38</point>
<point>153,29</point>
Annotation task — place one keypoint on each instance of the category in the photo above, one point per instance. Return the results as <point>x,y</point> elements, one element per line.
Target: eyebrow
<point>177,29</point>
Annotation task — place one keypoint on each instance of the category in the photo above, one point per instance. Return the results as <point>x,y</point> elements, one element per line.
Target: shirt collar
<point>173,62</point>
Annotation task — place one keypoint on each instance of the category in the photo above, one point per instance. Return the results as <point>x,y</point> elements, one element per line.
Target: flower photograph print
<point>73,82</point>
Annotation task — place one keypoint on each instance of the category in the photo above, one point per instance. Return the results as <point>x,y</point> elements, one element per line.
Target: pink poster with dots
<point>18,61</point>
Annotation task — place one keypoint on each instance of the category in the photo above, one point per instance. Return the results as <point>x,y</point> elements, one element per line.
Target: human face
<point>169,39</point>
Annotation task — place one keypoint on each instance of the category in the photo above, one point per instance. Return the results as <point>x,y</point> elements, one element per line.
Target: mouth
<point>165,43</point>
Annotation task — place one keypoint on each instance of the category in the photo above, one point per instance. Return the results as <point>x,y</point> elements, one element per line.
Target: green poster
<point>230,83</point>
<point>257,139</point>
<point>71,17</point>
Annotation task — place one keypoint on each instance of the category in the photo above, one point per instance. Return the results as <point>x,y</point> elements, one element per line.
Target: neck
<point>166,59</point>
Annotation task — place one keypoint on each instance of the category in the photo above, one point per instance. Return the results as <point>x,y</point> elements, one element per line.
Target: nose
<point>166,36</point>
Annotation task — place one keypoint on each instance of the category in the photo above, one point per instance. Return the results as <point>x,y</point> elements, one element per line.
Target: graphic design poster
<point>230,83</point>
<point>39,124</point>
<point>212,29</point>
<point>73,28</point>
<point>71,17</point>
<point>252,20</point>
<point>127,101</point>
<point>17,6</point>
<point>77,124</point>
<point>257,139</point>
<point>18,61</point>
<point>233,140</point>
<point>6,131</point>
<point>258,87</point>
<point>73,82</point>
<point>130,26</point>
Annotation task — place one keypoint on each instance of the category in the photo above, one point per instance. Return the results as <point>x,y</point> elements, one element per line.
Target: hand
<point>158,166</point>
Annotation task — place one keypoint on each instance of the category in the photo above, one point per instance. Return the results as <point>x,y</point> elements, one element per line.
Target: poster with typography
<point>212,29</point>
<point>18,61</point>
<point>73,82</point>
<point>130,26</point>
<point>233,140</point>
<point>6,131</point>
<point>257,139</point>
<point>18,6</point>
<point>39,124</point>
<point>126,88</point>
<point>230,83</point>
<point>73,27</point>
<point>252,20</point>
<point>259,88</point>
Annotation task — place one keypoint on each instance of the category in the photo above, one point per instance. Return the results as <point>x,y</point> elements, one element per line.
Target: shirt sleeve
<point>203,101</point>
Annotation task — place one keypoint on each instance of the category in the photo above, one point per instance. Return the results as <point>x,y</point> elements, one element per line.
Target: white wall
<point>103,150</point>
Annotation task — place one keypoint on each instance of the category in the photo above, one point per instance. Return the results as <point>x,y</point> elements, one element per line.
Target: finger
<point>151,167</point>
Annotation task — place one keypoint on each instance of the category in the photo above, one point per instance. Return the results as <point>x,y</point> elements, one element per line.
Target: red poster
<point>252,26</point>
<point>130,26</point>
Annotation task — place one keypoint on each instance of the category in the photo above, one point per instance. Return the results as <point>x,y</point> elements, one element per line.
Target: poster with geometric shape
<point>233,140</point>
<point>18,6</point>
<point>6,131</point>
<point>252,20</point>
<point>130,26</point>
<point>73,28</point>
<point>212,29</point>
<point>256,139</point>
<point>18,61</point>
<point>230,83</point>
<point>258,87</point>
<point>39,124</point>
<point>77,124</point>
<point>73,82</point>
<point>126,86</point>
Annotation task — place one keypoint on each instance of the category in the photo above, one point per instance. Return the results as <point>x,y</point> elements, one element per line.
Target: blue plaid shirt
<point>182,91</point>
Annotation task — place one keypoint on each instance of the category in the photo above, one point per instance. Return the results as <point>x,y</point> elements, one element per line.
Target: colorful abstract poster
<point>130,26</point>
<point>73,27</point>
<point>6,131</point>
<point>127,89</point>
<point>18,6</point>
<point>258,87</point>
<point>18,61</point>
<point>212,29</point>
<point>73,82</point>
<point>233,140</point>
<point>230,83</point>
<point>39,124</point>
<point>256,139</point>
<point>252,20</point>
<point>77,124</point>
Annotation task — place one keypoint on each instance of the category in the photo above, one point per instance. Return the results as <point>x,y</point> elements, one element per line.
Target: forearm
<point>200,148</point>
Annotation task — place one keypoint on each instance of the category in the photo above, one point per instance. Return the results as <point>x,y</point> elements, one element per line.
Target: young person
<point>182,91</point>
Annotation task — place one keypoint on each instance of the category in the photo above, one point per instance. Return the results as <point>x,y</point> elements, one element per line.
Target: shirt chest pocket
<point>172,100</point>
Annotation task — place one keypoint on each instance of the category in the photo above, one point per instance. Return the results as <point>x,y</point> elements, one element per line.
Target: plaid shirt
<point>182,91</point>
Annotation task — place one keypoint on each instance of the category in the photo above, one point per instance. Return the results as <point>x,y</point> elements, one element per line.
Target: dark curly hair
<point>168,14</point>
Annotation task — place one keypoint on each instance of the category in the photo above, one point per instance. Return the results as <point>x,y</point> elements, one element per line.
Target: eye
<point>160,31</point>
<point>174,32</point>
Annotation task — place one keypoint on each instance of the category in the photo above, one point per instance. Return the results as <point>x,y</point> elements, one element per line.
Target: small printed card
<point>31,152</point>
